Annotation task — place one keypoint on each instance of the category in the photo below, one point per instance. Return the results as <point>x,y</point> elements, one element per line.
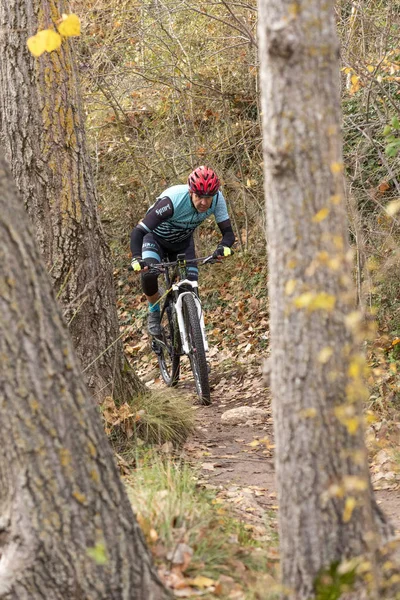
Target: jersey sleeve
<point>161,210</point>
<point>228,237</point>
<point>221,211</point>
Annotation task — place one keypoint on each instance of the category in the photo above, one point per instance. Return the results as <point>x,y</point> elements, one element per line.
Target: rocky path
<point>233,444</point>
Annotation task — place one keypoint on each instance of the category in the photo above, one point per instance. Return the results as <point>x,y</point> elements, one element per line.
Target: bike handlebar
<point>204,260</point>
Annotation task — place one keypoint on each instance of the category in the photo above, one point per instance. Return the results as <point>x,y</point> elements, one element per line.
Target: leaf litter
<point>242,477</point>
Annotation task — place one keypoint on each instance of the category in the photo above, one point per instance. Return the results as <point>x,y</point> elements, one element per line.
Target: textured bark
<point>44,142</point>
<point>60,492</point>
<point>316,368</point>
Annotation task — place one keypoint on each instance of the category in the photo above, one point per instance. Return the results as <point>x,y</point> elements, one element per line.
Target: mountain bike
<point>182,325</point>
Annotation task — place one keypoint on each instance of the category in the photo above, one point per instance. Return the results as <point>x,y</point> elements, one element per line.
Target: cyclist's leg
<point>190,253</point>
<point>151,254</point>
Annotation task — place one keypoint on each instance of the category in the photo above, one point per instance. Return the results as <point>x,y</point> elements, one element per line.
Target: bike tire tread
<point>189,307</point>
<point>170,375</point>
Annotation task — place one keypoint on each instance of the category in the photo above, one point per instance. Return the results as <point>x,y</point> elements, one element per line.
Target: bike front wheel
<point>168,350</point>
<point>197,355</point>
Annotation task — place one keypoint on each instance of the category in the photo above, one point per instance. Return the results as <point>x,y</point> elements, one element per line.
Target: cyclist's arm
<point>223,221</point>
<point>228,237</point>
<point>162,210</point>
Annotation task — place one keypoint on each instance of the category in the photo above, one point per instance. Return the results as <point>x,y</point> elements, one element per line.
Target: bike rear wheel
<point>197,355</point>
<point>168,351</point>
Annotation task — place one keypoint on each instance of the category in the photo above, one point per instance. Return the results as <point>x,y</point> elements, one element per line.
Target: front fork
<point>179,314</point>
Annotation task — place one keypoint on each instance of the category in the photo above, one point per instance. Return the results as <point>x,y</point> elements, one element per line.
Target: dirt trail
<point>238,459</point>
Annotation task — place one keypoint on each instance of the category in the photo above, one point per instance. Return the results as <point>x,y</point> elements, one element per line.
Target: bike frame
<point>178,268</point>
<point>184,332</point>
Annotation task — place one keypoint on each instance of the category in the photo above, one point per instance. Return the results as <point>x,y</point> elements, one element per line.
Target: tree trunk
<point>67,528</point>
<point>326,506</point>
<point>45,144</point>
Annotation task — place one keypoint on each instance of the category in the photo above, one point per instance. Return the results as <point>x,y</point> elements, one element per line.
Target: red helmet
<point>203,181</point>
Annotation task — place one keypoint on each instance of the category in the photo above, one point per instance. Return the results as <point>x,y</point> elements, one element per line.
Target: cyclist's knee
<point>149,280</point>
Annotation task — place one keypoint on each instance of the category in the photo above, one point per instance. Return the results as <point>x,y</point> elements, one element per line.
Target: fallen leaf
<point>201,582</point>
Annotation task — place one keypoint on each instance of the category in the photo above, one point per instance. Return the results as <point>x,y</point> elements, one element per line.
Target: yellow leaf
<point>354,484</point>
<point>349,506</point>
<point>313,301</point>
<point>254,443</point>
<point>335,491</point>
<point>321,215</point>
<point>335,263</point>
<point>325,355</point>
<point>354,79</point>
<point>323,301</point>
<point>308,413</point>
<point>290,287</point>
<point>304,300</point>
<point>338,241</point>
<point>354,370</point>
<point>357,367</point>
<point>393,207</point>
<point>70,26</point>
<point>336,167</point>
<point>46,40</point>
<point>370,417</point>
<point>201,582</point>
<point>355,87</point>
<point>35,46</point>
<point>265,440</point>
<point>51,39</point>
<point>353,319</point>
<point>323,257</point>
<point>371,68</point>
<point>351,423</point>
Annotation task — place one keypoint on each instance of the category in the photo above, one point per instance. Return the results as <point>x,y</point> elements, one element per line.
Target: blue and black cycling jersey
<point>173,218</point>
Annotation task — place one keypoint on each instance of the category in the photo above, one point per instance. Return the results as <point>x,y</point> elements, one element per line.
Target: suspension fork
<point>179,313</point>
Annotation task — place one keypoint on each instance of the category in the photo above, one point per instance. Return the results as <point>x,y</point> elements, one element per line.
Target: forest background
<point>169,86</point>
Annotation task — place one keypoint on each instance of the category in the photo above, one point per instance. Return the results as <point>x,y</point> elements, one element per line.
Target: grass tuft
<point>156,417</point>
<point>165,416</point>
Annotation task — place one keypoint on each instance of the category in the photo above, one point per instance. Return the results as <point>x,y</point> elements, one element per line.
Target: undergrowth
<point>157,417</point>
<point>174,508</point>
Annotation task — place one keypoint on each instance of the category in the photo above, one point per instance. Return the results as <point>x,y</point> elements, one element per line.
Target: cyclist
<point>168,226</point>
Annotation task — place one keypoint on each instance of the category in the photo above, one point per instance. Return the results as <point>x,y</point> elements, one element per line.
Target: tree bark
<point>66,526</point>
<point>326,506</point>
<point>44,141</point>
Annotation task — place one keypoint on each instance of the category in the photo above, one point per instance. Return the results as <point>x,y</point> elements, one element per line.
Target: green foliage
<point>98,553</point>
<point>392,141</point>
<point>334,581</point>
